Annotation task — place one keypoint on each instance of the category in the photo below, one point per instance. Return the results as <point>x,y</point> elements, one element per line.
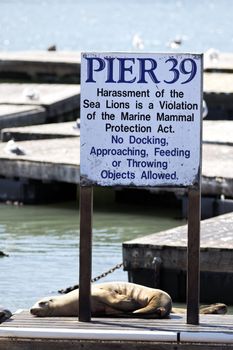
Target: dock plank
<point>41,94</point>
<point>59,102</point>
<point>54,160</point>
<point>18,115</point>
<point>176,322</point>
<point>218,83</point>
<point>38,132</point>
<point>160,260</point>
<point>215,61</point>
<point>46,66</point>
<point>218,132</point>
<point>170,246</point>
<point>24,331</point>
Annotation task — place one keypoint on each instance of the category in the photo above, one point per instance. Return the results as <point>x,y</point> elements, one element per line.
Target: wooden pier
<point>41,66</point>
<point>25,332</point>
<point>28,104</point>
<point>40,132</point>
<point>159,260</point>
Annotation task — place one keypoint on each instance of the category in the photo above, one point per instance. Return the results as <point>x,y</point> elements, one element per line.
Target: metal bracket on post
<point>193,268</point>
<point>85,253</point>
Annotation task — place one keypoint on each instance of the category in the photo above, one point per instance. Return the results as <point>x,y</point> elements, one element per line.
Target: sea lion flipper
<point>115,300</point>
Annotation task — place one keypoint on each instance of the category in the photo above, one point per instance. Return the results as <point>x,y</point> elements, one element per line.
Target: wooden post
<point>193,268</point>
<point>85,253</point>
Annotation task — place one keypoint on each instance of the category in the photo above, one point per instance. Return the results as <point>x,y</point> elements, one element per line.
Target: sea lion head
<point>55,306</point>
<point>43,307</point>
<point>217,308</point>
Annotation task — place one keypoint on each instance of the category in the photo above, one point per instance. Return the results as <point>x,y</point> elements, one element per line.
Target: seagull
<point>174,44</point>
<point>12,148</point>
<point>31,93</point>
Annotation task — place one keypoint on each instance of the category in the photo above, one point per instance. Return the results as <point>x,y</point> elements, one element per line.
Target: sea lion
<point>118,299</point>
<point>217,309</point>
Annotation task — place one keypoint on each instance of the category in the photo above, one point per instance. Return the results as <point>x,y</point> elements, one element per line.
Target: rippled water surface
<point>43,242</point>
<point>112,24</point>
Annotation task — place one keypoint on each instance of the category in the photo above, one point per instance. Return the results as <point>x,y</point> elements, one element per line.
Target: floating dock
<point>41,66</point>
<point>28,104</point>
<point>160,260</point>
<point>25,332</point>
<point>40,132</point>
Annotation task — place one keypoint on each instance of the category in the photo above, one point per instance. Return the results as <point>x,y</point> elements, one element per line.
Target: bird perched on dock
<point>31,94</point>
<point>212,54</point>
<point>12,148</point>
<point>52,48</point>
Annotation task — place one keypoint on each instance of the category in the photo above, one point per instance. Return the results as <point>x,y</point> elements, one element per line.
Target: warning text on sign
<point>140,119</point>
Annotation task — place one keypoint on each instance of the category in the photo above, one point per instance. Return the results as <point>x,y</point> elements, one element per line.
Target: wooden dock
<point>25,332</point>
<point>40,132</point>
<point>218,94</point>
<point>159,260</point>
<point>41,66</point>
<point>17,115</point>
<point>28,104</point>
<point>45,160</point>
<point>218,132</point>
<point>215,61</point>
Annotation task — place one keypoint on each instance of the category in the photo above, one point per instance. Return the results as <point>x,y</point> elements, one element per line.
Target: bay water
<point>43,245</point>
<point>116,25</point>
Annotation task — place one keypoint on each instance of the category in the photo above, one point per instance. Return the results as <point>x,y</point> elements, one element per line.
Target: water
<point>107,25</point>
<point>43,242</point>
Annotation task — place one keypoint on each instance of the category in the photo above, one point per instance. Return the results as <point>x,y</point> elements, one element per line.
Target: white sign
<point>140,119</point>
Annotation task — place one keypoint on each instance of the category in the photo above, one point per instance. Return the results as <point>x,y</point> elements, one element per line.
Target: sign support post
<point>193,268</point>
<point>85,253</point>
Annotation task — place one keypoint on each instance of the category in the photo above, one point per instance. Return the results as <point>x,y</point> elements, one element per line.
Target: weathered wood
<point>215,61</point>
<point>56,66</point>
<point>218,83</point>
<point>210,324</point>
<point>85,255</point>
<point>218,132</point>
<point>18,115</point>
<point>40,132</point>
<point>218,92</point>
<point>54,160</point>
<point>216,259</point>
<point>216,237</point>
<point>59,102</point>
<point>193,255</point>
